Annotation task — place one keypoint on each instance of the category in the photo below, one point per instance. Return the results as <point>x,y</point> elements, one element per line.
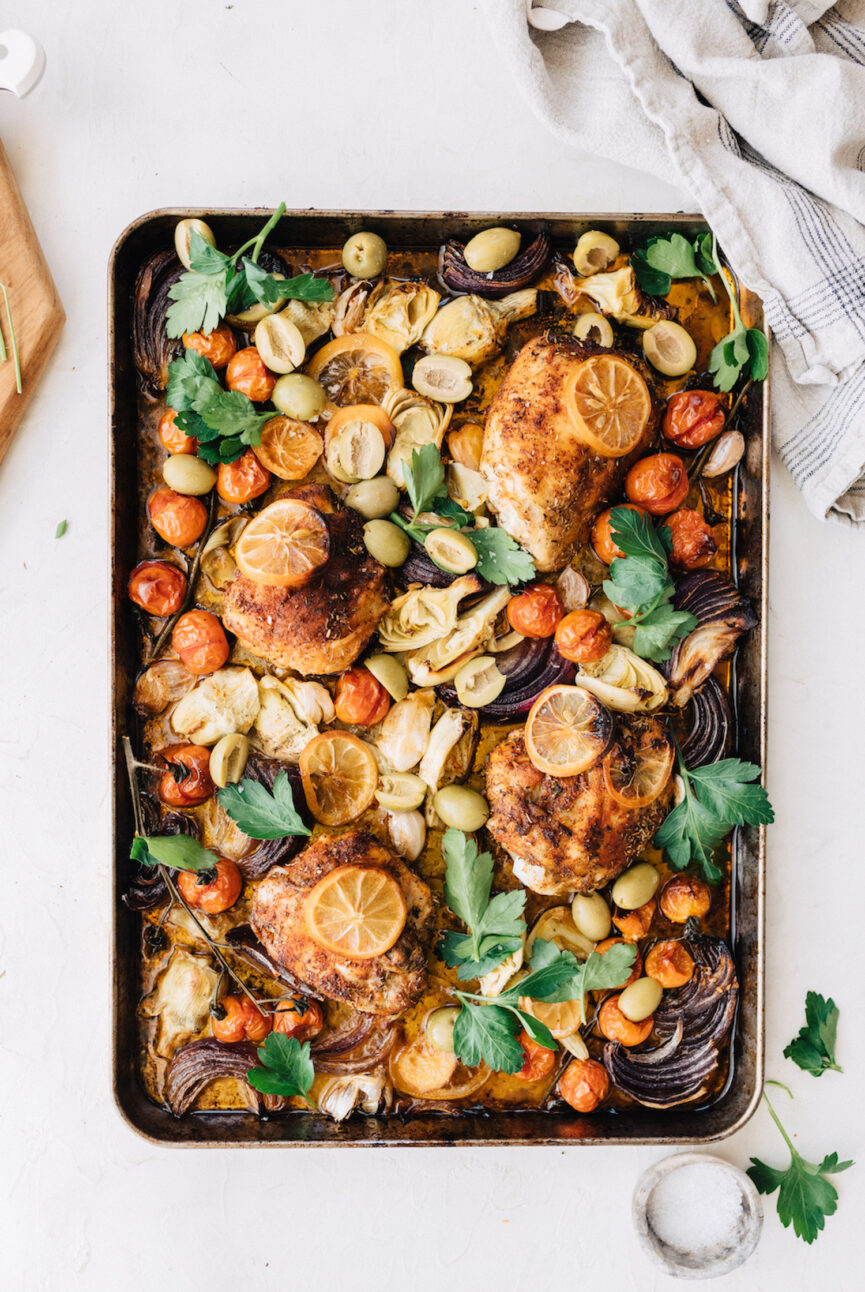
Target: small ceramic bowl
<point>705,1263</point>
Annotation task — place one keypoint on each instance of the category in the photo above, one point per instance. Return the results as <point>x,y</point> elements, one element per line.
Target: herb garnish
<point>813,1050</point>
<point>225,422</point>
<point>640,582</point>
<point>805,1196</point>
<point>717,797</point>
<point>285,1067</point>
<point>675,257</point>
<point>61,529</point>
<point>261,814</point>
<point>743,349</point>
<point>13,341</point>
<point>178,851</point>
<point>496,926</point>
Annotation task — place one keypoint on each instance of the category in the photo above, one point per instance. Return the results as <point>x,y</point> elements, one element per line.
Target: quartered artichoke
<point>422,615</point>
<point>439,660</point>
<point>618,294</point>
<point>473,329</point>
<point>623,681</point>
<point>289,716</point>
<point>418,421</point>
<point>399,312</point>
<point>218,705</point>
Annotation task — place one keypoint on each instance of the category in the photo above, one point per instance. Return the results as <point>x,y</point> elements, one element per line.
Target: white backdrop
<point>336,103</point>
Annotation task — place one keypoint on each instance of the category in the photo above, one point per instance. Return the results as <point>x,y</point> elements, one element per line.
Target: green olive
<point>640,1000</point>
<point>280,343</point>
<point>669,348</point>
<point>373,498</point>
<point>183,233</point>
<point>443,377</point>
<point>228,759</point>
<point>594,327</point>
<point>386,542</point>
<point>388,670</point>
<point>359,450</point>
<point>479,682</point>
<point>592,916</point>
<point>491,250</point>
<point>400,791</point>
<point>365,255</point>
<point>594,252</point>
<point>439,1028</point>
<point>451,550</point>
<point>461,807</point>
<point>634,888</point>
<point>299,396</point>
<point>187,474</point>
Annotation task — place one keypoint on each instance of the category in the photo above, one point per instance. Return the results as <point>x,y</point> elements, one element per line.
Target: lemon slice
<point>567,731</point>
<point>609,403</point>
<point>284,545</point>
<point>339,775</point>
<point>355,911</point>
<point>563,1018</point>
<point>356,369</point>
<point>637,770</point>
<point>289,448</point>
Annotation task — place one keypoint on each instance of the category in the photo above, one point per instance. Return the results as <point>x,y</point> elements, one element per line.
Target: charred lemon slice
<point>355,911</point>
<point>563,1018</point>
<point>638,768</point>
<point>609,403</point>
<point>289,448</point>
<point>284,545</point>
<point>356,369</point>
<point>567,731</point>
<point>339,775</point>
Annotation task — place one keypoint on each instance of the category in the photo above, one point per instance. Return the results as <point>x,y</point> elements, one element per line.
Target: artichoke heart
<point>368,1092</point>
<point>618,294</point>
<point>399,312</point>
<point>418,421</point>
<point>474,329</point>
<point>285,724</point>
<point>180,1000</point>
<point>439,660</point>
<point>311,318</point>
<point>623,681</point>
<point>218,705</point>
<point>424,614</point>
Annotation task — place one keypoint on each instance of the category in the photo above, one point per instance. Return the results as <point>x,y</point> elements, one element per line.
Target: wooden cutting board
<point>36,309</point>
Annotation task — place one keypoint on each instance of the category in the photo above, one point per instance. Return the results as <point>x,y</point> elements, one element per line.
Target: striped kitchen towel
<point>757,108</point>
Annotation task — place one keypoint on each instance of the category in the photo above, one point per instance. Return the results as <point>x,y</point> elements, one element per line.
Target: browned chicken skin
<point>323,626</point>
<point>545,485</point>
<point>567,834</point>
<point>385,985</point>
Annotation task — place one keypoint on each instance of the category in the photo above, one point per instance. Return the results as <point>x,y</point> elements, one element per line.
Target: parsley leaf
<point>805,1196</point>
<point>674,257</point>
<point>225,422</point>
<point>500,557</point>
<point>260,814</point>
<point>658,629</point>
<point>424,477</point>
<point>270,290</point>
<point>813,1049</point>
<point>200,296</point>
<point>635,535</point>
<point>654,281</point>
<point>640,583</point>
<point>177,851</point>
<point>61,529</point>
<point>496,926</point>
<point>744,349</point>
<point>285,1067</point>
<point>487,1033</point>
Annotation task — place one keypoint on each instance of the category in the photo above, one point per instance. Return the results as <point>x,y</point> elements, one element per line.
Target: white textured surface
<point>392,104</point>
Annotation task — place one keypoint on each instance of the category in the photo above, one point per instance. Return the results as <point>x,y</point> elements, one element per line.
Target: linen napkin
<point>757,108</point>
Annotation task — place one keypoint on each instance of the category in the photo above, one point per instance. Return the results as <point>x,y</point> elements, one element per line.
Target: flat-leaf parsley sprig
<point>674,257</point>
<point>225,422</point>
<point>640,582</point>
<point>260,813</point>
<point>496,928</point>
<point>813,1050</point>
<point>284,1067</point>
<point>743,349</point>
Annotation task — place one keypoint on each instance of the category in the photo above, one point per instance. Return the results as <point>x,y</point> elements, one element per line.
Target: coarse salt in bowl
<point>696,1215</point>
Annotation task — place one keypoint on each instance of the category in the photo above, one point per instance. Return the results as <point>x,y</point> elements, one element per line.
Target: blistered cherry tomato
<point>209,892</point>
<point>684,897</point>
<point>602,538</point>
<point>670,963</point>
<point>635,924</point>
<point>179,790</point>
<point>537,611</point>
<point>218,346</point>
<point>360,699</point>
<point>659,483</point>
<point>584,1083</point>
<point>173,438</point>
<point>636,971</point>
<point>539,1061</point>
<point>247,373</point>
<point>242,480</point>
<point>157,587</point>
<point>584,636</point>
<point>693,417</point>
<point>176,517</point>
<point>237,1019</point>
<point>200,642</point>
<point>693,540</point>
<point>301,1018</point>
<point>613,1024</point>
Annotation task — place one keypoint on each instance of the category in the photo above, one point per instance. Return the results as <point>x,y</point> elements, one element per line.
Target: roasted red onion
<point>195,1065</point>
<point>148,889</point>
<point>153,350</point>
<point>530,667</point>
<point>710,725</point>
<point>455,274</point>
<point>724,614</point>
<point>275,852</point>
<point>367,1051</point>
<point>420,568</point>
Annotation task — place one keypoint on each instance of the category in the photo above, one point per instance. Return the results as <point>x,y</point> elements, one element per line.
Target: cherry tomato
<point>360,699</point>
<point>247,373</point>
<point>613,1024</point>
<point>239,1021</point>
<point>693,540</point>
<point>683,898</point>
<point>670,963</point>
<point>693,417</point>
<point>634,925</point>
<point>157,587</point>
<point>176,517</point>
<point>301,1018</point>
<point>584,636</point>
<point>658,483</point>
<point>200,642</point>
<point>539,1061</point>
<point>196,785</point>
<point>209,892</point>
<point>602,538</point>
<point>173,438</point>
<point>243,479</point>
<point>636,971</point>
<point>218,346</point>
<point>537,611</point>
<point>584,1083</point>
